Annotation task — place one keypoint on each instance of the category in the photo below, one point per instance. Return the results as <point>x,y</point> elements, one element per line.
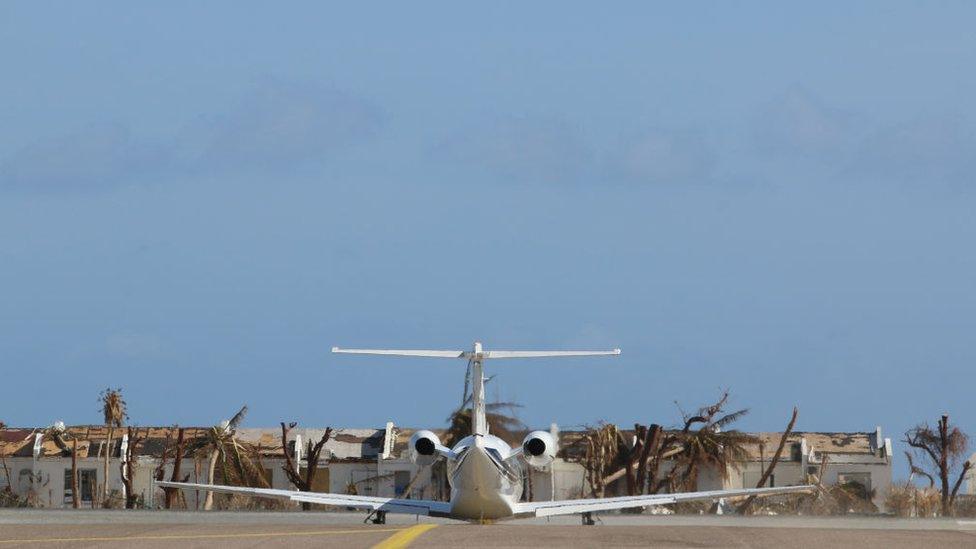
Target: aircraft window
<point>495,455</point>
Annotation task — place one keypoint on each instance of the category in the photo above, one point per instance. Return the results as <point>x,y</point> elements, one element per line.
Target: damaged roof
<point>91,439</point>
<point>833,444</point>
<point>839,446</point>
<point>344,444</point>
<point>370,444</point>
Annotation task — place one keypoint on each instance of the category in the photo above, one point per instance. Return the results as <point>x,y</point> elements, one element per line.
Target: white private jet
<point>485,474</point>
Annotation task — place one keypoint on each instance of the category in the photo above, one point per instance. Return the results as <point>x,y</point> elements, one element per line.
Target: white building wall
<point>971,477</point>
<point>45,477</point>
<point>561,480</point>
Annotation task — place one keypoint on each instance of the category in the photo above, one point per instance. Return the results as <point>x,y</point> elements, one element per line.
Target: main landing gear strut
<point>376,517</point>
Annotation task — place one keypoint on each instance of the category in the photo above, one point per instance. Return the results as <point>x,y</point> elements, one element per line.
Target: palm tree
<point>114,414</point>
<point>600,451</point>
<point>219,438</point>
<point>501,422</point>
<point>709,445</point>
<point>500,417</point>
<point>3,465</point>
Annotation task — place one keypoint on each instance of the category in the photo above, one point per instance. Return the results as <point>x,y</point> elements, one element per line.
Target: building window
<point>858,481</point>
<point>86,485</point>
<point>27,479</point>
<point>95,448</point>
<point>751,478</point>
<point>401,479</point>
<point>321,481</point>
<point>364,482</point>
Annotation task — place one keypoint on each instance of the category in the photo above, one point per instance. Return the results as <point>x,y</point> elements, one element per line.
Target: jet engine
<point>423,448</point>
<point>538,448</point>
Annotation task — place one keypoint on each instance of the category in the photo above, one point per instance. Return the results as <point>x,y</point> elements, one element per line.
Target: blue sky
<point>197,202</point>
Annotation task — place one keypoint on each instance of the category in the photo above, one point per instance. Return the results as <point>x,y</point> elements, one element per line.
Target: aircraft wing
<point>390,505</point>
<point>573,506</point>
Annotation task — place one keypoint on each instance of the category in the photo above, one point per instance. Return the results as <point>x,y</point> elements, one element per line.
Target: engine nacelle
<point>539,448</point>
<point>423,448</point>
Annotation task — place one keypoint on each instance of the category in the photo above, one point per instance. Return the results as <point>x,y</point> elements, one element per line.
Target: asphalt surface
<point>75,529</point>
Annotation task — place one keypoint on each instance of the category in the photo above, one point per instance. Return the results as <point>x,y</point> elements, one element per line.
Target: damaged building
<point>36,464</point>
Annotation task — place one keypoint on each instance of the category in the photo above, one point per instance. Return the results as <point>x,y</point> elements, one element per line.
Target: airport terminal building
<point>37,466</point>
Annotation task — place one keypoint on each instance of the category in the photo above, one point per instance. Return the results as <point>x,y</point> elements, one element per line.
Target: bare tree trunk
<point>406,491</point>
<point>108,453</point>
<point>772,464</point>
<point>652,437</point>
<point>955,488</point>
<point>211,469</point>
<point>6,470</point>
<point>634,460</point>
<point>944,463</point>
<point>172,494</point>
<point>75,483</point>
<point>312,453</point>
<point>623,470</point>
<point>127,470</point>
<point>631,481</point>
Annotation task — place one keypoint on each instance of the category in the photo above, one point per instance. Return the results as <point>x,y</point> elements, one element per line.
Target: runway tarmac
<point>75,529</point>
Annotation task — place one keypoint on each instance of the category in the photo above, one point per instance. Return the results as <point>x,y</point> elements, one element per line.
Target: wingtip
<point>335,349</point>
<point>616,351</point>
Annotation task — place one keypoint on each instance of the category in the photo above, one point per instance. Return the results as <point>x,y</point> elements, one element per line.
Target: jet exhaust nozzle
<point>423,448</point>
<point>539,448</point>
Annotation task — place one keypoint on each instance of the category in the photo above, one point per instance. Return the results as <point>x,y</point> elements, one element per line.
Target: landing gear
<point>587,519</point>
<point>376,517</point>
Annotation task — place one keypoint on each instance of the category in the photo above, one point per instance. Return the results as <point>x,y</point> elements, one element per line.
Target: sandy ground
<point>33,528</point>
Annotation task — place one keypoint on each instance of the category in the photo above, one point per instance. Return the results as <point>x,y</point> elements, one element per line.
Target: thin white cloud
<point>522,149</point>
<point>132,345</point>
<point>661,156</point>
<point>548,150</point>
<point>93,158</point>
<point>276,125</point>
<point>797,122</point>
<point>922,148</point>
<point>925,149</point>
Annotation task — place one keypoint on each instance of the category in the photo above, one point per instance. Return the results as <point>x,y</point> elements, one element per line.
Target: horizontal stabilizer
<point>472,354</point>
<point>401,352</point>
<point>540,354</point>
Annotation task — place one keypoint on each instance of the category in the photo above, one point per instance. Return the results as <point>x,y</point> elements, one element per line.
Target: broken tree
<point>114,414</point>
<point>943,448</point>
<point>292,466</point>
<point>127,468</point>
<point>744,508</point>
<point>177,451</point>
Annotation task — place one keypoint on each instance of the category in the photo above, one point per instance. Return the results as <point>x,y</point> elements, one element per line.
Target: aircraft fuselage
<point>484,485</point>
